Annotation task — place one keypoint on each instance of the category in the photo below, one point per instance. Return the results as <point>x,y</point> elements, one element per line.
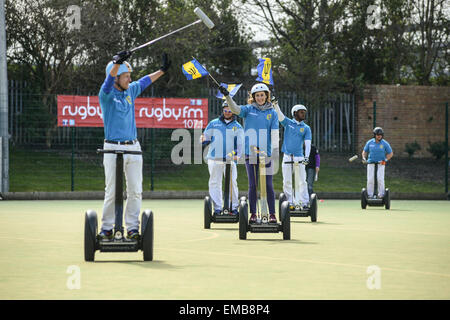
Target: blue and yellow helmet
<point>124,67</point>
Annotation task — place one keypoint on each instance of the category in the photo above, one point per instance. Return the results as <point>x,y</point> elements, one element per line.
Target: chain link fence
<point>45,157</point>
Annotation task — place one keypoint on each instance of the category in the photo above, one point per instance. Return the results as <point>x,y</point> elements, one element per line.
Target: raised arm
<point>278,110</point>
<point>233,106</point>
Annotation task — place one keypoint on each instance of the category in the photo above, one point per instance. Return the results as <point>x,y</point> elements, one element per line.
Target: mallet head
<point>204,18</point>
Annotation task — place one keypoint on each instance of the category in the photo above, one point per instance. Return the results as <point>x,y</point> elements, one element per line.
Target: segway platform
<point>119,243</point>
<point>298,211</point>
<point>385,201</point>
<point>122,245</point>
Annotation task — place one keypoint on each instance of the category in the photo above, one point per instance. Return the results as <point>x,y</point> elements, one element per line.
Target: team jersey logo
<point>128,98</point>
<point>234,128</point>
<point>381,146</point>
<point>302,129</point>
<point>269,116</point>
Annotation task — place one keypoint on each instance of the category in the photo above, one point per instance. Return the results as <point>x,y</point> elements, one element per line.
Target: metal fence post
<point>152,144</point>
<point>72,163</point>
<point>374,114</point>
<point>446,150</point>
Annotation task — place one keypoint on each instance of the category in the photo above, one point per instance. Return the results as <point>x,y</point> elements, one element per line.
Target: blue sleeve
<point>107,85</point>
<point>308,135</point>
<point>145,82</point>
<point>388,148</point>
<point>366,147</point>
<point>207,132</point>
<point>244,111</point>
<point>275,122</point>
<point>284,122</point>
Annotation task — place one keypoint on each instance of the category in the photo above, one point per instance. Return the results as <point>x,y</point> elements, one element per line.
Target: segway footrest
<point>225,218</point>
<point>119,246</point>
<point>265,228</point>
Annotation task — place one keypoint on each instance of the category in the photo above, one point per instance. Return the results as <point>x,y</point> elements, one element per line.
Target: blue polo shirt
<point>118,110</point>
<point>224,137</point>
<point>258,127</point>
<point>377,151</point>
<point>295,134</point>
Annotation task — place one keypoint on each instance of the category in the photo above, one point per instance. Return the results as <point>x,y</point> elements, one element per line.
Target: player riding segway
<point>118,242</point>
<point>122,153</point>
<point>295,159</point>
<point>261,131</point>
<point>225,137</point>
<point>379,152</point>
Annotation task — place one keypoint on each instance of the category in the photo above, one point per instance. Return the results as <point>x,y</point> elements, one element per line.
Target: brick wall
<point>406,114</point>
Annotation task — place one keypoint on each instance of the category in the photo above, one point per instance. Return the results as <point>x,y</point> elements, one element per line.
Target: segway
<point>119,243</point>
<point>375,201</point>
<point>225,215</point>
<point>296,209</point>
<point>262,224</point>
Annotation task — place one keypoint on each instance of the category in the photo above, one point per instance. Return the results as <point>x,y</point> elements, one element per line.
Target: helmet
<point>259,87</point>
<point>296,108</point>
<point>124,67</point>
<point>378,130</point>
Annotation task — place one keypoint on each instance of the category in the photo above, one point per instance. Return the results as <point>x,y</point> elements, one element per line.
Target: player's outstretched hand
<point>364,161</point>
<point>165,63</point>
<point>121,57</point>
<point>223,90</point>
<point>305,161</point>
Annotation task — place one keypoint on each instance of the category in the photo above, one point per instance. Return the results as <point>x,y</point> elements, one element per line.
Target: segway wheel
<point>90,235</point>
<point>313,208</point>
<point>207,212</point>
<point>387,200</point>
<point>363,198</point>
<point>147,234</point>
<point>243,220</point>
<point>282,198</point>
<point>286,222</point>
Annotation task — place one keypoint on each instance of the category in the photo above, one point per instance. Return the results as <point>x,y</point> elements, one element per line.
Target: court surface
<point>349,253</point>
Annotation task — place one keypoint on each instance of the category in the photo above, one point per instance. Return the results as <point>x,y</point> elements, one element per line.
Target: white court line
<point>311,261</point>
<point>215,235</point>
<point>389,231</point>
<point>41,240</point>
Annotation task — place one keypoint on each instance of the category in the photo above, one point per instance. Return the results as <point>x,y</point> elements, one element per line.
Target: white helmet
<point>298,107</point>
<point>259,87</point>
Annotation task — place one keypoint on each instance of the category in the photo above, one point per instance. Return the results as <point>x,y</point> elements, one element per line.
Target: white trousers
<point>216,173</point>
<point>132,167</point>
<point>301,189</point>
<point>370,179</point>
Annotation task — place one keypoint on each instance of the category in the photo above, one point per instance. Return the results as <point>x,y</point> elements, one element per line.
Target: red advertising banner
<point>85,111</point>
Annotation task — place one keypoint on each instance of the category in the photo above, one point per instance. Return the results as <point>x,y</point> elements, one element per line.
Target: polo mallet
<point>203,18</point>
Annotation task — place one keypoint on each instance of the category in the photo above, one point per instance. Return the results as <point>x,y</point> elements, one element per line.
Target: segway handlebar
<point>118,151</point>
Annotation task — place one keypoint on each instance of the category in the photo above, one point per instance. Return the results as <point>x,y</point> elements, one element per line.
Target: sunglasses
<point>227,111</point>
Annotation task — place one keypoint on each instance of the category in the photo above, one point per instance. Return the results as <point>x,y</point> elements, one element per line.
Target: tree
<point>431,29</point>
<point>302,33</point>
